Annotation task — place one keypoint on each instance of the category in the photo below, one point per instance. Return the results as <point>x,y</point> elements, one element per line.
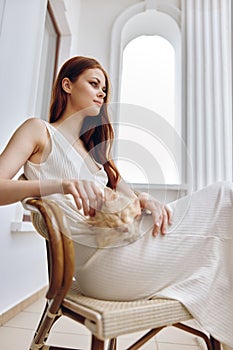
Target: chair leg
<point>215,344</point>
<point>112,345</point>
<point>97,344</point>
<point>43,329</point>
<point>196,332</point>
<point>144,339</point>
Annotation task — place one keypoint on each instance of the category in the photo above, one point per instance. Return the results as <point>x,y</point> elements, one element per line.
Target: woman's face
<point>86,94</point>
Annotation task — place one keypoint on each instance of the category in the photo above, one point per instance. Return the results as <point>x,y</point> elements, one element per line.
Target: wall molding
<point>15,310</point>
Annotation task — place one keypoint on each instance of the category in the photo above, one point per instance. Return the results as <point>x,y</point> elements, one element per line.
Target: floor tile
<point>175,335</point>
<point>70,340</point>
<point>135,335</point>
<point>38,306</point>
<point>24,320</point>
<point>66,325</point>
<point>124,342</point>
<point>15,338</point>
<point>164,346</point>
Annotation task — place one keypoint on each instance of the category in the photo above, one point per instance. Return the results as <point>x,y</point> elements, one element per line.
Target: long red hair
<point>97,133</point>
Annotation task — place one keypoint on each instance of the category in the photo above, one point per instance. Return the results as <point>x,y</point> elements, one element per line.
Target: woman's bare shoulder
<point>27,141</point>
<point>34,123</point>
<point>32,134</point>
<point>34,127</point>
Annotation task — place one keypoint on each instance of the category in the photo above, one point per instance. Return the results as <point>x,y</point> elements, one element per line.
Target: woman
<point>69,160</point>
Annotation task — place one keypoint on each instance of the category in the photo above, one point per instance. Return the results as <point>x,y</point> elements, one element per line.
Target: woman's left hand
<point>161,214</point>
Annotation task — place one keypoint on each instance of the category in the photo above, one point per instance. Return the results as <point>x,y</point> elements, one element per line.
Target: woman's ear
<point>66,85</point>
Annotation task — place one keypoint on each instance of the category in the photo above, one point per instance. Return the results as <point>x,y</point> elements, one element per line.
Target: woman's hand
<point>117,210</point>
<point>161,214</point>
<point>87,195</point>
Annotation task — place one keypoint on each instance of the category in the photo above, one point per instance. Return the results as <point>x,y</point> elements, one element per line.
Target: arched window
<point>148,75</point>
<point>148,84</point>
<point>146,72</point>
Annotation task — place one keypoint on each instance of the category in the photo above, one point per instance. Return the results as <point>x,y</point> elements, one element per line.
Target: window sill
<point>22,226</point>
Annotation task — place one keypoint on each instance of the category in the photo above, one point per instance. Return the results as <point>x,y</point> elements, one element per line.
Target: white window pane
<point>148,80</point>
<point>148,147</point>
<point>148,76</point>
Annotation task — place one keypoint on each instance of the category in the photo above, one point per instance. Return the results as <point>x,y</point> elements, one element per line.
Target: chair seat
<point>108,319</point>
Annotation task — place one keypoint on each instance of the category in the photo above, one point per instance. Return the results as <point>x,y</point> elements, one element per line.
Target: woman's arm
<point>29,142</point>
<point>15,190</point>
<point>26,141</point>
<point>161,214</point>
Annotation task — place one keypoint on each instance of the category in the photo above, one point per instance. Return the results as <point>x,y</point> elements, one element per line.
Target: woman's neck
<point>70,125</point>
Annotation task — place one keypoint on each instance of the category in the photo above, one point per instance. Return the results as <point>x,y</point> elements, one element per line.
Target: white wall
<point>73,17</point>
<point>21,258</point>
<point>22,255</point>
<point>95,26</point>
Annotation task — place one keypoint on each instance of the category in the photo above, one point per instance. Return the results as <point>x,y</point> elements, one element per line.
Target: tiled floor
<point>16,334</point>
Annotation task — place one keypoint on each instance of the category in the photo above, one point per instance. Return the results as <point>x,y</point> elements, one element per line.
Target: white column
<point>207,71</point>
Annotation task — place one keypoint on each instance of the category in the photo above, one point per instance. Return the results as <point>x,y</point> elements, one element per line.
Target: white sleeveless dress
<point>192,263</point>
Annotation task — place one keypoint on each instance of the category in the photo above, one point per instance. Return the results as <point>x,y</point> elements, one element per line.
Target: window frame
<point>48,67</point>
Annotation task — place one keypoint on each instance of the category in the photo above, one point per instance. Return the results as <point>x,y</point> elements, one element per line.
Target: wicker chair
<point>105,319</point>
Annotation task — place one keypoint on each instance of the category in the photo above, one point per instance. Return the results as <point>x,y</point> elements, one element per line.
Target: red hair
<point>96,133</point>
